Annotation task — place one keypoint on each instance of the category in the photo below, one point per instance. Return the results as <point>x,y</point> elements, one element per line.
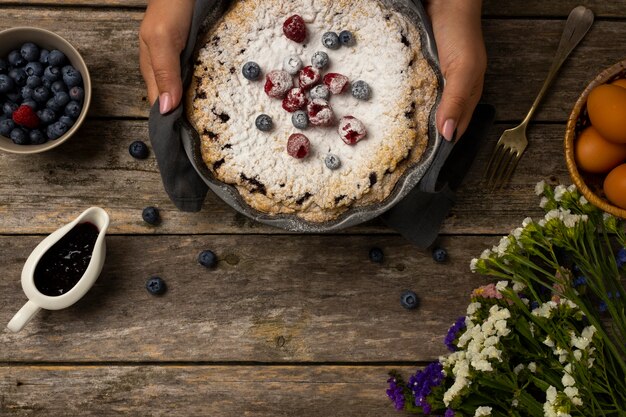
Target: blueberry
<point>408,299</point>
<point>77,94</point>
<point>71,76</point>
<point>73,109</point>
<point>51,74</point>
<point>155,286</point>
<point>319,59</point>
<point>30,103</point>
<point>53,105</point>
<point>19,136</point>
<point>46,82</point>
<point>58,86</point>
<point>26,92</point>
<point>37,137</point>
<point>41,94</point>
<point>377,255</point>
<point>16,59</point>
<point>61,98</point>
<point>19,76</point>
<point>361,90</point>
<point>6,84</point>
<point>67,120</point>
<point>333,162</point>
<point>33,81</point>
<point>251,70</point>
<point>43,56</point>
<point>440,255</point>
<point>6,126</point>
<point>320,91</point>
<point>14,96</point>
<point>346,38</point>
<point>138,149</point>
<point>30,52</point>
<point>56,58</point>
<point>331,40</point>
<point>151,215</point>
<point>34,68</point>
<point>46,116</point>
<point>4,66</point>
<point>264,123</point>
<point>9,107</point>
<point>300,119</point>
<point>207,258</point>
<point>56,130</point>
<point>292,64</point>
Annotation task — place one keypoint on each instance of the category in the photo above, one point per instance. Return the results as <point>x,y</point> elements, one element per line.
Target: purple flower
<point>580,280</point>
<point>621,257</point>
<point>449,413</point>
<point>603,307</point>
<point>453,332</point>
<point>395,393</point>
<point>422,383</point>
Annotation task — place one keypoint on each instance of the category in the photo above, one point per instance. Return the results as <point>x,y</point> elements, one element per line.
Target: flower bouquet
<point>549,337</point>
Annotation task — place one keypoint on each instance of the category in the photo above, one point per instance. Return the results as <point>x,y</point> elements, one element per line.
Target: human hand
<point>463,60</point>
<point>162,37</point>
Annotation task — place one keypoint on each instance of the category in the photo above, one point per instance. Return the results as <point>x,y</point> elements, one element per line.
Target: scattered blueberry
<point>56,58</point>
<point>138,150</point>
<point>56,130</point>
<point>292,64</point>
<point>155,286</point>
<point>37,137</point>
<point>19,76</point>
<point>6,84</point>
<point>346,38</point>
<point>73,109</point>
<point>77,94</point>
<point>30,52</point>
<point>151,215</point>
<point>331,40</point>
<point>71,76</point>
<point>46,116</point>
<point>320,91</point>
<point>319,59</point>
<point>264,123</point>
<point>33,81</point>
<point>251,70</point>
<point>361,90</point>
<point>16,59</point>
<point>19,136</point>
<point>440,255</point>
<point>534,305</point>
<point>34,68</point>
<point>58,86</point>
<point>408,299</point>
<point>43,56</point>
<point>51,74</point>
<point>41,94</point>
<point>333,162</point>
<point>207,258</point>
<point>6,126</point>
<point>26,92</point>
<point>377,255</point>
<point>300,119</point>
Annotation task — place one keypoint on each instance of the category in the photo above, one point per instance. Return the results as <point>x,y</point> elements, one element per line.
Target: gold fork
<point>513,142</point>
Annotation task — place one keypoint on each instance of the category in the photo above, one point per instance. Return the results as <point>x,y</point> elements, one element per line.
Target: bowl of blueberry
<point>45,90</point>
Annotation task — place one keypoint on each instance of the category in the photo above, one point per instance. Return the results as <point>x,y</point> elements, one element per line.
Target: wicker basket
<point>590,185</point>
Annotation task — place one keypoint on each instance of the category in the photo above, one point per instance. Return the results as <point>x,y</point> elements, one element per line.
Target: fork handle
<point>578,24</point>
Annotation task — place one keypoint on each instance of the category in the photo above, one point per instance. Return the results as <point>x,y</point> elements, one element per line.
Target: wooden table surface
<point>293,325</point>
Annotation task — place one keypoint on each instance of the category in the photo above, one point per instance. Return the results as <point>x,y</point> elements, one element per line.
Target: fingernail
<point>449,129</point>
<point>165,101</point>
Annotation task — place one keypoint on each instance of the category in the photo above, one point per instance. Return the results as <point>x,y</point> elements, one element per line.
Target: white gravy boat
<point>38,300</point>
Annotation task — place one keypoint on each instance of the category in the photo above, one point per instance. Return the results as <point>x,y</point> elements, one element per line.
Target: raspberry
<point>295,29</point>
<point>298,145</point>
<point>308,77</point>
<point>26,116</point>
<point>295,100</point>
<point>336,83</point>
<point>320,113</point>
<point>351,130</point>
<point>277,83</point>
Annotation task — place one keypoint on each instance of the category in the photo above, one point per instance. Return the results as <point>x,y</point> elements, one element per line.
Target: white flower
<point>473,264</point>
<point>568,380</point>
<point>583,201</point>
<point>485,254</point>
<point>548,342</point>
<point>527,221</point>
<point>543,202</point>
<point>541,185</point>
<point>551,394</point>
<point>518,286</point>
<point>482,411</point>
<point>491,341</point>
<point>559,192</point>
<point>514,403</point>
<point>578,354</point>
<point>571,188</point>
<point>501,285</point>
<point>588,332</point>
<point>472,308</point>
<point>519,368</point>
<point>532,367</point>
<point>501,328</point>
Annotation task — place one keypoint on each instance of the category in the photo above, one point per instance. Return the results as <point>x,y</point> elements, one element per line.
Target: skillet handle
<point>429,181</point>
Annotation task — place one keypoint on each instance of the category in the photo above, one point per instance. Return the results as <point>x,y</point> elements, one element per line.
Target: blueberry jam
<point>63,265</point>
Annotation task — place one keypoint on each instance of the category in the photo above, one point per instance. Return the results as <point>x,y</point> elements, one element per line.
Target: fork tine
<point>494,161</point>
<point>512,165</point>
<point>498,174</point>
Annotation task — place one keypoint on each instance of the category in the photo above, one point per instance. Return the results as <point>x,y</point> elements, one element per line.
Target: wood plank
<point>520,53</point>
<point>260,391</point>
<point>271,299</point>
<point>40,192</point>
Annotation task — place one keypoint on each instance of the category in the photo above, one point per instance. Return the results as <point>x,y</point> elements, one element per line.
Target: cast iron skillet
<point>423,174</point>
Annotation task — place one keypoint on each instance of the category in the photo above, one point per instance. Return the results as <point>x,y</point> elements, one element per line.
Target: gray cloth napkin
<point>417,217</point>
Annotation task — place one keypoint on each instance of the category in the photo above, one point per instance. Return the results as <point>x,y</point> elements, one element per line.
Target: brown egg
<point>606,105</point>
<point>595,154</point>
<point>615,186</point>
<point>620,82</point>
